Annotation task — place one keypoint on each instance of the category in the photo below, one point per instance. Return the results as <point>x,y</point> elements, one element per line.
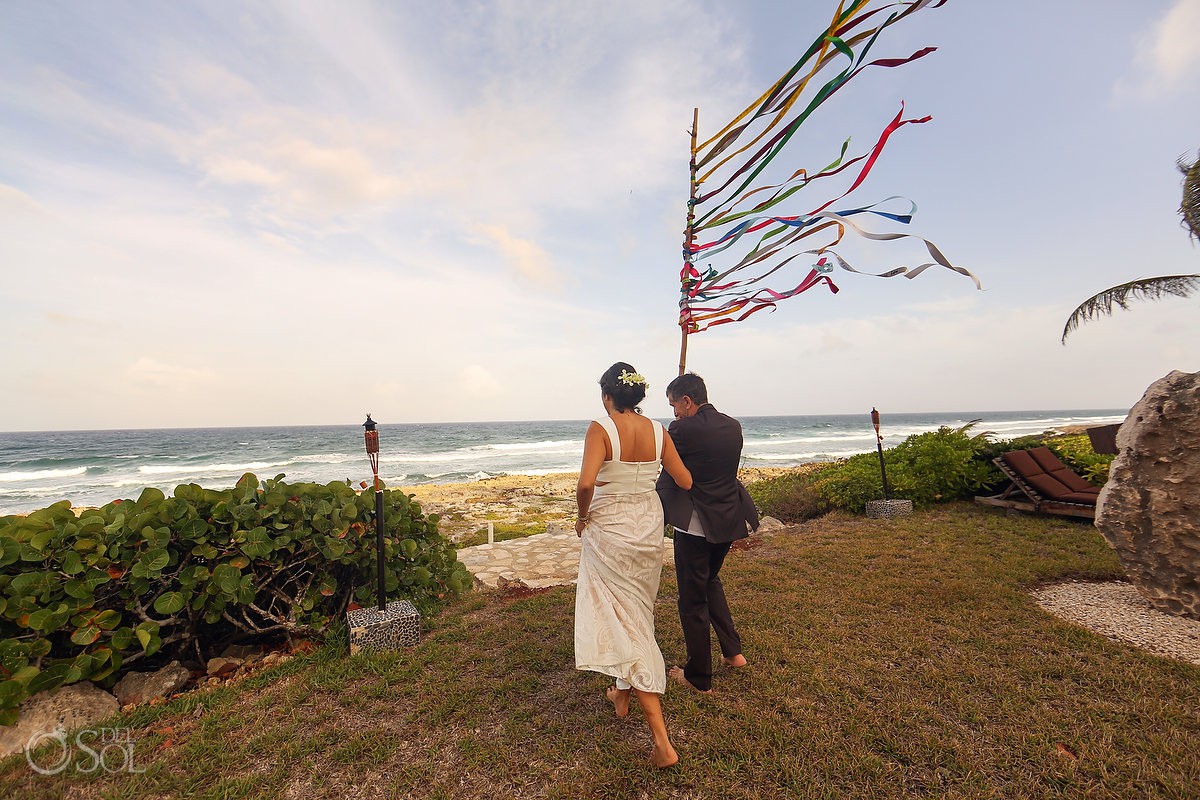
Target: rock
<point>1149,511</point>
<point>219,666</point>
<point>142,687</point>
<point>66,708</point>
<point>240,651</point>
<point>506,582</point>
<point>769,525</point>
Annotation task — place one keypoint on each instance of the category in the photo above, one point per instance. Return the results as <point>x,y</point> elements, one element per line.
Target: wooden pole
<point>689,237</point>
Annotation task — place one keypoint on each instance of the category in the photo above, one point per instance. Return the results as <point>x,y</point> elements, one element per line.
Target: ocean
<point>91,468</point>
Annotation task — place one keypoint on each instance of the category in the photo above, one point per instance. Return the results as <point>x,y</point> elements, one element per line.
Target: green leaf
<point>32,584</point>
<point>149,496</point>
<point>12,692</point>
<point>409,547</point>
<point>78,589</point>
<point>86,635</point>
<point>51,677</point>
<point>38,620</point>
<point>108,619</point>
<point>96,577</point>
<point>121,638</point>
<point>239,562</point>
<point>205,551</point>
<point>39,540</point>
<point>169,603</point>
<point>72,564</point>
<point>149,637</point>
<point>227,577</point>
<point>193,529</point>
<point>10,551</point>
<point>156,560</point>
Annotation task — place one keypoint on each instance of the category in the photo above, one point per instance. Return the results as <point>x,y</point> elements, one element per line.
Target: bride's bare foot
<point>620,700</point>
<point>667,757</point>
<point>676,674</point>
<point>735,661</point>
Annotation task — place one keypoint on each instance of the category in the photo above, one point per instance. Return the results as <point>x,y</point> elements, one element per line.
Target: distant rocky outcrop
<point>1149,511</point>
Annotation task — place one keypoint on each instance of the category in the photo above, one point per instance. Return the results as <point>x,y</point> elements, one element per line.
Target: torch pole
<point>379,541</point>
<point>372,441</point>
<point>887,492</point>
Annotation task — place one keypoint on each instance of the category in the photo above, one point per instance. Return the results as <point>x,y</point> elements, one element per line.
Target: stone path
<point>547,559</point>
<point>534,562</point>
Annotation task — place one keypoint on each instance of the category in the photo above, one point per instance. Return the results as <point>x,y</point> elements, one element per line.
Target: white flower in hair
<point>633,379</point>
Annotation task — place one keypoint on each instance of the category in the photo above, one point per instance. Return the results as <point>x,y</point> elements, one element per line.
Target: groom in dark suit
<point>707,521</point>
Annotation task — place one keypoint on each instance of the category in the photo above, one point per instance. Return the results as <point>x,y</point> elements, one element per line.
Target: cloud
<point>14,201</point>
<point>168,376</point>
<point>526,257</point>
<point>478,383</point>
<point>1168,55</point>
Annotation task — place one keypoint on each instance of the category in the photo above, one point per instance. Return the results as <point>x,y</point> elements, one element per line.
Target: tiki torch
<point>372,438</point>
<point>887,492</point>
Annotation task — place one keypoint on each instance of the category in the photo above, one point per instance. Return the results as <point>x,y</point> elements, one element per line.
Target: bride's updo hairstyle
<point>624,385</point>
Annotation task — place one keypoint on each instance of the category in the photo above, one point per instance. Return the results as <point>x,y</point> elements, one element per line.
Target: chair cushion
<point>1048,486</point>
<point>1072,480</point>
<point>1081,497</point>
<point>1046,459</point>
<point>1022,463</point>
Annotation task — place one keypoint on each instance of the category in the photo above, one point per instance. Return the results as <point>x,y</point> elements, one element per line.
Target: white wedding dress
<point>620,565</point>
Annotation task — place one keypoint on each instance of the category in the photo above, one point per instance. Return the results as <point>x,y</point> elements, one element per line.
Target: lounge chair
<point>1043,484</point>
<point>1104,439</point>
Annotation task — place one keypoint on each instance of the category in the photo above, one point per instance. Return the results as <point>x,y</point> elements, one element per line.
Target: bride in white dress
<point>620,563</point>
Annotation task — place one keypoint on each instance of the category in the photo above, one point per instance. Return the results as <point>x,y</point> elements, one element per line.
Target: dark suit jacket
<point>710,445</point>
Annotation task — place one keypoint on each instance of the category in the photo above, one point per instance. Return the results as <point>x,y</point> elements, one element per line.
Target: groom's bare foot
<point>667,757</point>
<point>676,674</point>
<point>620,700</point>
<point>735,661</point>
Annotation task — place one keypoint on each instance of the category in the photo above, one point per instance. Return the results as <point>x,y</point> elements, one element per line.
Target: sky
<point>284,213</point>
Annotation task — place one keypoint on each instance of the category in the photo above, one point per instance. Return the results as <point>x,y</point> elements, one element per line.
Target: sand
<point>515,501</point>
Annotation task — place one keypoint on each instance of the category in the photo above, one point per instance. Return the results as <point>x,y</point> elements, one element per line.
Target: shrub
<point>789,497</point>
<point>929,467</point>
<point>82,597</point>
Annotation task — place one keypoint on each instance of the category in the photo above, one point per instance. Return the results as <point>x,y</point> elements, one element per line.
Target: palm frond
<point>1142,289</point>
<point>1189,207</point>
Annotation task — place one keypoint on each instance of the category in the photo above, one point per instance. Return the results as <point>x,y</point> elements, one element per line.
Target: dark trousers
<point>702,603</point>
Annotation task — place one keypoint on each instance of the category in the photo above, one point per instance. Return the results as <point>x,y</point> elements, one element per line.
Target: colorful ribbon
<point>737,218</point>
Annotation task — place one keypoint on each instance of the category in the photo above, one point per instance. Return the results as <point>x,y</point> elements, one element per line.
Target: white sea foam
<point>842,437</point>
<point>551,445</point>
<point>327,458</point>
<point>41,474</point>
<point>812,455</point>
<point>209,469</point>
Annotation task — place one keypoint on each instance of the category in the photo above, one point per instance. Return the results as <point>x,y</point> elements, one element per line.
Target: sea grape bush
<point>82,597</point>
<point>789,497</point>
<point>926,468</point>
<point>945,464</point>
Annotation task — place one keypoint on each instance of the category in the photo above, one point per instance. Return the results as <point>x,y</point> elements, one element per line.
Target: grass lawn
<point>889,659</point>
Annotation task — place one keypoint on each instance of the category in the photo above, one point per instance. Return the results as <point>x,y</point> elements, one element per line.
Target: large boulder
<point>1149,511</point>
<point>67,708</point>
